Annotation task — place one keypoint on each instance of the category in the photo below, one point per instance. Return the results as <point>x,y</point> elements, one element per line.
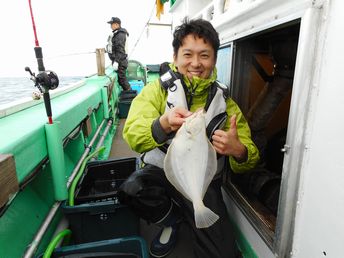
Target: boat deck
<point>120,149</point>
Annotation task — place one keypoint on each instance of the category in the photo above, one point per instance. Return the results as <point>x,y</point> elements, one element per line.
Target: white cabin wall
<point>178,10</point>
<point>316,161</point>
<point>182,8</point>
<point>319,224</point>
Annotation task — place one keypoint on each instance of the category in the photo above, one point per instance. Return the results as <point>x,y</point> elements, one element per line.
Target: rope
<point>142,31</point>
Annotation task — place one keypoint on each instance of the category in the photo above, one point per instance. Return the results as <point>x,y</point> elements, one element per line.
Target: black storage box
<point>128,95</point>
<point>100,221</point>
<point>97,213</point>
<point>126,247</point>
<point>102,179</point>
<point>125,99</point>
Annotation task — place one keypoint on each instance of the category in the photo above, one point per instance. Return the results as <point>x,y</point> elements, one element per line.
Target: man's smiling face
<point>195,57</point>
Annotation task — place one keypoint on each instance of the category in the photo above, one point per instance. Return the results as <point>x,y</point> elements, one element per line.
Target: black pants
<point>121,73</point>
<point>149,194</point>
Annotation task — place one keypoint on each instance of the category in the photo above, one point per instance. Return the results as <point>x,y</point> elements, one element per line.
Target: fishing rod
<point>45,80</point>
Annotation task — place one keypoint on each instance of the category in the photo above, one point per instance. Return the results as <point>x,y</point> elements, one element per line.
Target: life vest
<point>215,108</point>
<point>110,42</point>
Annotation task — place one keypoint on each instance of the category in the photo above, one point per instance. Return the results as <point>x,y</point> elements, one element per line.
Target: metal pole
<point>106,130</point>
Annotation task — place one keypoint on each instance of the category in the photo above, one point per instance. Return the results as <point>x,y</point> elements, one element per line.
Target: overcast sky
<point>67,29</point>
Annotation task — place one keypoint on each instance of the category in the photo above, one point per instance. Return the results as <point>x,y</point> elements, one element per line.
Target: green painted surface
<point>74,152</point>
<point>26,128</point>
<point>25,214</point>
<point>56,159</point>
<point>23,135</point>
<point>243,244</point>
<point>152,76</point>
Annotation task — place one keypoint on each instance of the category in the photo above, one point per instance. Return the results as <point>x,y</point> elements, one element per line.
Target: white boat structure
<point>263,45</point>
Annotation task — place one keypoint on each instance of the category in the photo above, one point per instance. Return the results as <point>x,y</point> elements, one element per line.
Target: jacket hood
<point>123,30</point>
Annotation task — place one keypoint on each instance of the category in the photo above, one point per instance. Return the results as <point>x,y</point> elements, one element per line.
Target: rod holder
<point>105,102</point>
<point>56,158</point>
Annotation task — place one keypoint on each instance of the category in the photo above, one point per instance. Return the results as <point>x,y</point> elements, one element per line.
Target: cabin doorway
<point>262,74</point>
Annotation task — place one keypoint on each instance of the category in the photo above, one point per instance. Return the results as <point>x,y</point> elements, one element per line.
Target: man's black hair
<point>200,28</point>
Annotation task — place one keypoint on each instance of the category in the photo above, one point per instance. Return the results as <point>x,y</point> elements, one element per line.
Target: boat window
<point>262,81</point>
<point>223,65</point>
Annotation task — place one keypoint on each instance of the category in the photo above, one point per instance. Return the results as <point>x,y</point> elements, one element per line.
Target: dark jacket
<point>116,45</point>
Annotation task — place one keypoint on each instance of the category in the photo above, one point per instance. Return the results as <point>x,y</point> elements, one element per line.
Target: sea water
<point>15,88</point>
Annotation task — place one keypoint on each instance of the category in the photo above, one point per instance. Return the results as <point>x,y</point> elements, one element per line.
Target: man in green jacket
<point>154,117</point>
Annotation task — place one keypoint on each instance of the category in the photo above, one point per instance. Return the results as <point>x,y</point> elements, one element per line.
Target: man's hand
<point>173,120</point>
<point>228,143</point>
<point>115,65</point>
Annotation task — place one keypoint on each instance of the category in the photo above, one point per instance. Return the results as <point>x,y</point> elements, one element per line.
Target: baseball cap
<point>114,20</point>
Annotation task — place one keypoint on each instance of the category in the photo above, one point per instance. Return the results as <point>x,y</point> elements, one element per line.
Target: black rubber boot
<point>165,241</point>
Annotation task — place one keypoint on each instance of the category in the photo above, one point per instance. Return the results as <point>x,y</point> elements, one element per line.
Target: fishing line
<point>72,54</point>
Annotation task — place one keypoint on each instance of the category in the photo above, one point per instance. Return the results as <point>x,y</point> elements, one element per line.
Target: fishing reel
<point>44,81</point>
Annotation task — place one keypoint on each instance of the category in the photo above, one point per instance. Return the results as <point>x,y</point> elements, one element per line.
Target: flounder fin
<point>204,217</point>
<point>170,165</point>
<point>211,168</point>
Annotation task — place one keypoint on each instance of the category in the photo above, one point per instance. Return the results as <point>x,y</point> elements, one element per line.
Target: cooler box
<point>125,99</point>
<point>97,213</point>
<point>136,85</point>
<point>126,247</point>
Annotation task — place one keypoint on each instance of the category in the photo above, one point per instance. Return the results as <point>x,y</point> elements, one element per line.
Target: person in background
<point>116,49</point>
<point>154,117</point>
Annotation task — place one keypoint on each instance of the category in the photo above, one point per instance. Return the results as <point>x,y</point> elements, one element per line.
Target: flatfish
<point>190,165</point>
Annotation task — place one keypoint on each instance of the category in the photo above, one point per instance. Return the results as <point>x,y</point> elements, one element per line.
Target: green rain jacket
<point>150,104</point>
